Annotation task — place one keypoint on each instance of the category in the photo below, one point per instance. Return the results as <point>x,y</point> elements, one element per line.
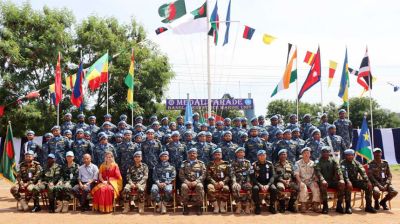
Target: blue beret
<point>253,119</point>
<point>107,116</point>
<point>326,148</point>
<point>227,132</point>
<point>201,133</point>
<point>175,133</point>
<point>306,115</point>
<point>196,114</point>
<point>377,150</point>
<point>342,111</point>
<point>296,129</point>
<point>244,119</point>
<point>92,117</point>
<point>274,117</point>
<point>188,123</point>
<point>204,125</point>
<point>153,117</point>
<point>254,128</point>
<point>264,133</point>
<point>137,153</point>
<point>236,119</point>
<point>30,132</point>
<point>188,132</point>
<point>293,115</point>
<point>244,134</point>
<point>81,116</point>
<point>55,127</point>
<point>192,150</point>
<point>79,130</point>
<point>51,155</point>
<point>68,114</point>
<point>279,131</point>
<point>240,149</point>
<point>164,119</point>
<point>138,118</point>
<point>67,132</point>
<point>150,131</point>
<point>220,123</point>
<point>260,152</point>
<point>123,117</point>
<point>48,135</point>
<point>121,122</point>
<point>127,132</point>
<point>87,133</point>
<point>261,117</point>
<point>287,131</point>
<point>349,152</point>
<point>305,149</point>
<point>211,118</point>
<point>315,131</point>
<point>217,150</point>
<point>29,152</point>
<point>227,119</point>
<point>331,126</point>
<point>282,151</point>
<point>164,153</point>
<point>119,135</point>
<point>208,133</point>
<point>106,123</point>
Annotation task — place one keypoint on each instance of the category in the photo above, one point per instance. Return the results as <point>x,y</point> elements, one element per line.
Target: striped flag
<point>214,20</point>
<point>344,82</point>
<point>309,58</point>
<point>332,70</point>
<point>70,81</point>
<point>129,81</point>
<point>248,32</point>
<point>77,92</point>
<point>364,77</point>
<point>98,73</point>
<point>290,74</point>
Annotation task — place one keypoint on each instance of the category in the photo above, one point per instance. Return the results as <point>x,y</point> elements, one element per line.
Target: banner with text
<point>225,104</point>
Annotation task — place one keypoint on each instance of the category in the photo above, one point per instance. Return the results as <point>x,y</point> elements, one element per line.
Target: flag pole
<point>370,101</point>
<point>58,105</point>
<point>297,90</point>
<point>108,76</point>
<point>132,86</point>
<point>208,64</point>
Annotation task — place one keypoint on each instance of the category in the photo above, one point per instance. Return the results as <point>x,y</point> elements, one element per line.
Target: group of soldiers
<point>252,162</point>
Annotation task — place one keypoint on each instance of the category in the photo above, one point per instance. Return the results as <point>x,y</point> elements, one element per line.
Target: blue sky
<point>244,66</point>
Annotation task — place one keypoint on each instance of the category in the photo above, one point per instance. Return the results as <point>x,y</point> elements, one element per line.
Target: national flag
<point>290,74</point>
<point>172,11</point>
<point>7,163</point>
<point>161,30</point>
<point>364,77</point>
<point>314,75</point>
<point>52,93</point>
<point>214,20</point>
<point>70,81</point>
<point>248,32</point>
<point>129,81</point>
<point>32,95</point>
<point>98,73</point>
<point>395,88</point>
<point>2,107</point>
<point>363,147</point>
<point>188,111</point>
<point>353,71</point>
<point>228,23</point>
<point>194,22</point>
<point>344,82</point>
<point>332,70</point>
<point>77,92</point>
<point>268,39</point>
<point>58,81</point>
<point>309,58</point>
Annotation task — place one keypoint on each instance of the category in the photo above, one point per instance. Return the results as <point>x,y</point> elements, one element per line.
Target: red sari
<point>104,194</point>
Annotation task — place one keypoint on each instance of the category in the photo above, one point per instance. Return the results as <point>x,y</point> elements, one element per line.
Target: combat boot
<point>185,210</point>
<point>247,208</point>
<point>282,206</point>
<point>303,207</point>
<point>272,208</point>
<point>238,207</point>
<point>59,206</point>
<point>291,207</point>
<point>24,205</point>
<point>36,206</point>
<point>339,207</point>
<point>376,206</point>
<point>199,210</point>
<point>383,204</point>
<point>216,207</point>
<point>141,207</point>
<point>65,206</point>
<point>19,205</point>
<point>348,208</point>
<point>126,207</point>
<point>163,208</point>
<point>222,207</point>
<point>316,206</point>
<point>257,209</point>
<point>325,207</point>
<point>51,206</point>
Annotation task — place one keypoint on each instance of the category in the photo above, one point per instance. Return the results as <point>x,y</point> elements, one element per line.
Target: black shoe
<point>370,209</point>
<point>281,206</point>
<point>291,206</point>
<point>51,207</point>
<point>383,204</point>
<point>376,206</point>
<point>339,208</point>
<point>185,210</point>
<point>348,208</point>
<point>36,208</point>
<point>257,210</point>
<point>325,208</point>
<point>83,209</point>
<point>272,209</point>
<point>199,210</point>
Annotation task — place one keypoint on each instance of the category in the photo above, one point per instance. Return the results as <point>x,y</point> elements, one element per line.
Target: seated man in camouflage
<point>192,175</point>
<point>329,174</point>
<point>164,174</point>
<point>27,177</point>
<point>69,178</point>
<point>381,177</point>
<point>218,172</point>
<point>240,173</point>
<point>285,179</point>
<point>136,179</point>
<point>352,169</point>
<point>48,180</point>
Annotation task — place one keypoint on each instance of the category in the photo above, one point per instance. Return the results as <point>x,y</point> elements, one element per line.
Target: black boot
<point>185,210</point>
<point>339,207</point>
<point>376,207</point>
<point>257,210</point>
<point>325,207</point>
<point>36,206</point>
<point>369,208</point>
<point>291,206</point>
<point>51,206</point>
<point>199,210</point>
<point>348,208</point>
<point>272,208</point>
<point>282,206</point>
<point>383,204</point>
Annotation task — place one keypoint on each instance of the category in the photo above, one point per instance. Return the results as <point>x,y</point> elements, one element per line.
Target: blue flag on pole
<point>188,111</point>
<point>363,144</point>
<point>228,23</point>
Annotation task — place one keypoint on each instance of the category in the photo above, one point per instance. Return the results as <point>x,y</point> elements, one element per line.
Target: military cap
<point>188,123</point>
<point>227,132</point>
<point>192,150</point>
<point>92,117</point>
<point>243,119</point>
<point>208,133</point>
<point>201,133</point>
<point>164,118</point>
<point>30,152</point>
<point>179,117</point>
<point>240,149</point>
<point>79,130</point>
<point>324,115</point>
<point>349,152</point>
<point>219,123</point>
<point>253,119</point>
<point>315,131</point>
<point>196,114</point>
<point>127,132</point>
<point>236,119</point>
<point>227,119</point>
<point>87,133</point>
<point>306,115</point>
<point>261,117</point>
<point>107,116</point>
<point>80,116</point>
<point>175,133</point>
<point>67,132</point>
<point>342,111</point>
<point>282,151</point>
<point>137,153</point>
<point>153,117</point>
<point>296,129</point>
<point>279,131</point>
<point>69,153</point>
<point>293,115</point>
<point>204,125</point>
<point>217,150</point>
<point>123,117</point>
<point>275,117</point>
<point>103,136</point>
<point>106,123</point>
<point>138,118</point>
<point>331,126</point>
<point>150,131</point>
<point>100,134</point>
<point>55,127</point>
<point>261,151</point>
<point>287,131</point>
<point>51,155</point>
<point>188,132</point>
<point>377,150</point>
<point>263,133</point>
<point>163,153</point>
<point>119,135</point>
<point>30,132</point>
<point>244,134</point>
<point>168,135</point>
<point>254,128</point>
<point>211,118</point>
<point>305,149</point>
<point>326,148</point>
<point>48,135</point>
<point>121,122</point>
<point>68,114</point>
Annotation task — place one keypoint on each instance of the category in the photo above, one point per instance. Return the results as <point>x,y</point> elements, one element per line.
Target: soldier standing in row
<point>344,128</point>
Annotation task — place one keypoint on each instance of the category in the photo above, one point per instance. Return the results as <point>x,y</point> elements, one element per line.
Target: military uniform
<point>165,173</point>
<point>236,133</point>
<point>68,179</point>
<point>306,172</point>
<point>323,127</point>
<point>192,171</point>
<point>67,125</point>
<point>80,125</point>
<point>94,130</point>
<point>58,146</point>
<point>305,129</point>
<point>241,180</point>
<point>272,132</point>
<point>27,176</point>
<point>151,149</point>
<point>285,179</point>
<point>136,175</point>
<point>252,146</point>
<point>336,143</point>
<point>290,146</point>
<point>49,177</point>
<point>204,150</point>
<point>100,150</point>
<point>176,152</point>
<point>263,175</point>
<point>125,153</point>
<point>292,126</point>
<point>381,177</point>
<point>228,150</point>
<point>316,147</point>
<point>215,174</point>
<point>30,145</point>
<point>44,152</point>
<point>300,145</point>
<point>81,147</point>
<point>344,128</point>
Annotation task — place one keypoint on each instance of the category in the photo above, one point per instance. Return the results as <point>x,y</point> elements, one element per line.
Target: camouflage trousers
<point>221,194</point>
<point>137,194</point>
<point>15,191</point>
<point>236,188</point>
<point>335,185</point>
<point>63,191</point>
<point>293,187</point>
<point>197,198</point>
<point>165,195</point>
<point>362,185</point>
<point>44,186</point>
<point>391,192</point>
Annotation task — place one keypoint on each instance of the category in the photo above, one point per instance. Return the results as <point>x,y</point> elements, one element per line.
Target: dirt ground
<point>9,214</point>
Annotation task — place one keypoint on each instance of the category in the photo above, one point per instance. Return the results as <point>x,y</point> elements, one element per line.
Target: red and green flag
<point>172,11</point>
<point>214,20</point>
<point>7,163</point>
<point>314,75</point>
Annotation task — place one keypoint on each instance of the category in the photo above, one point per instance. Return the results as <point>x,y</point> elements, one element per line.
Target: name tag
<point>167,175</point>
<point>30,175</point>
<point>71,176</point>
<point>383,175</point>
<point>267,175</point>
<point>222,174</point>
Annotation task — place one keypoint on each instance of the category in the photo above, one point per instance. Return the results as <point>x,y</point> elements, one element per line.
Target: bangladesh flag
<point>172,11</point>
<point>7,162</point>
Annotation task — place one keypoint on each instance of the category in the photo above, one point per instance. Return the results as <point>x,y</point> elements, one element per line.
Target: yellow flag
<point>267,39</point>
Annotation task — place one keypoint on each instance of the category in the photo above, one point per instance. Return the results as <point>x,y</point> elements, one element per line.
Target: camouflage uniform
<point>125,153</point>
<point>241,170</point>
<point>100,150</point>
<point>67,125</point>
<point>380,176</point>
<point>228,150</point>
<point>28,175</point>
<point>329,170</point>
<point>204,150</point>
<point>216,173</point>
<point>252,146</point>
<point>136,175</point>
<point>165,173</point>
<point>192,171</point>
<point>48,176</point>
<point>344,128</point>
<point>305,127</point>
<point>284,172</point>
<point>80,147</point>
<point>336,143</point>
<point>292,150</point>
<point>59,145</point>
<point>316,147</point>
<point>151,149</point>
<point>69,178</point>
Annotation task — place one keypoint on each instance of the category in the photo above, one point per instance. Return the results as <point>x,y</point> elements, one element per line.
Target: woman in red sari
<point>110,184</point>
